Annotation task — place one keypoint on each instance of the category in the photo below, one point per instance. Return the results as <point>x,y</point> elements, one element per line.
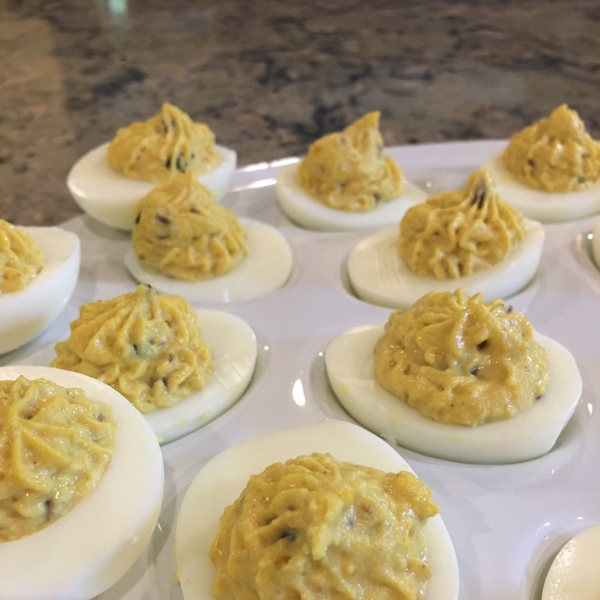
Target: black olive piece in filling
<point>163,219</point>
<point>479,195</point>
<point>289,534</point>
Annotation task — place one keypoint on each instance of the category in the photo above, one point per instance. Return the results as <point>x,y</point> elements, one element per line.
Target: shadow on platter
<point>257,202</point>
<point>323,393</point>
<point>104,231</point>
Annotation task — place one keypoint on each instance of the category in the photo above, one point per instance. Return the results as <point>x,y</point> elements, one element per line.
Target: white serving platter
<point>507,522</point>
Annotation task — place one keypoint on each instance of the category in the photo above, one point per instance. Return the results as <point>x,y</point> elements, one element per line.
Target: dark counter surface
<point>270,76</point>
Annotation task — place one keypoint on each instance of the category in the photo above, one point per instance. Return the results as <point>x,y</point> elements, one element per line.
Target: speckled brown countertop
<point>270,76</point>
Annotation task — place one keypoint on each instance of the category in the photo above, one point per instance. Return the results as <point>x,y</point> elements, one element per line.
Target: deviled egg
<point>39,267</point>
<point>220,482</point>
<point>108,181</point>
<point>184,243</point>
<point>88,549</point>
<point>265,270</point>
<point>550,171</point>
<point>469,239</point>
<point>346,182</point>
<point>148,346</point>
<point>465,384</point>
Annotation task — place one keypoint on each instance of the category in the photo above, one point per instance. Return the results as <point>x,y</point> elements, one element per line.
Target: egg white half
<point>539,205</point>
<point>350,365</point>
<point>574,573</point>
<point>90,548</point>
<point>379,275</point>
<point>224,477</point>
<point>266,269</point>
<point>234,350</point>
<point>111,198</point>
<point>25,314</point>
<point>308,212</point>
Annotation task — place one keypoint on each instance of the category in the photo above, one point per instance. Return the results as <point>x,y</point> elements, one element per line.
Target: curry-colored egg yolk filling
<point>460,361</point>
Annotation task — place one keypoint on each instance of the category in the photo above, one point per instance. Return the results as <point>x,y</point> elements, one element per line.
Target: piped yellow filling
<point>55,445</point>
<point>316,528</point>
<point>21,259</point>
<point>556,154</point>
<point>167,144</point>
<point>454,234</point>
<point>144,344</point>
<point>349,170</point>
<point>183,233</point>
<point>460,361</point>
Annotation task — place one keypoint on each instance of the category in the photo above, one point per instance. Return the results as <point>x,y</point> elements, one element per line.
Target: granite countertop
<point>270,76</point>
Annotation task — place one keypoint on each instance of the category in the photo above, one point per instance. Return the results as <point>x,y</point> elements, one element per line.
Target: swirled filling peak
<point>144,344</point>
<point>556,154</point>
<point>183,233</point>
<point>316,528</point>
<point>460,361</point>
<point>21,259</point>
<point>454,234</point>
<point>164,145</point>
<point>349,170</point>
<point>55,445</point>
